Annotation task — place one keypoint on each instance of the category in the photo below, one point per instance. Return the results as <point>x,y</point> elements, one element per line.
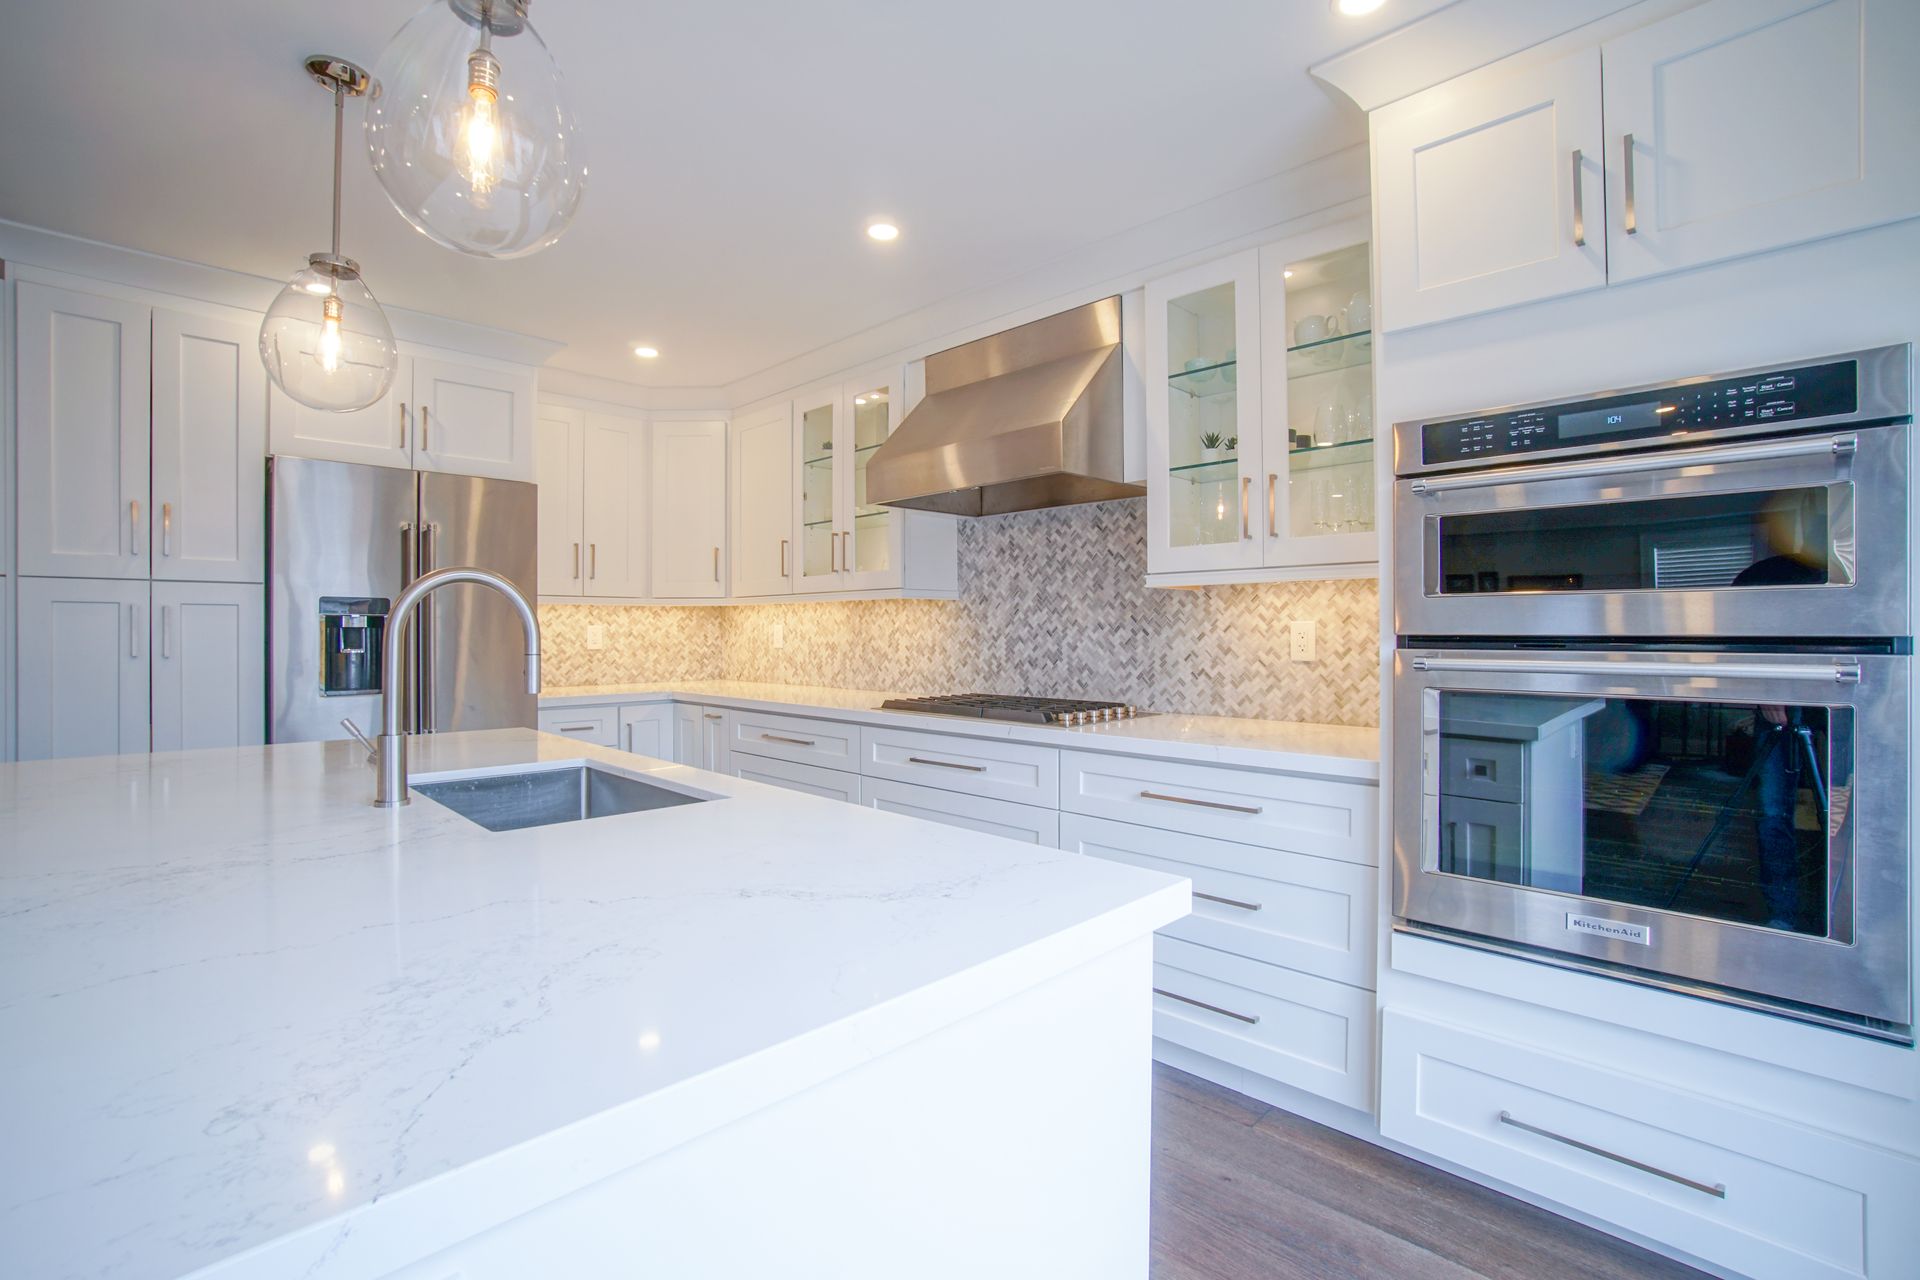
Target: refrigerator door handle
<point>410,669</point>
<point>423,626</point>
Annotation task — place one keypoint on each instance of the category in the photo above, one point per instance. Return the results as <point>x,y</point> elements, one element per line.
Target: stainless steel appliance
<point>994,706</point>
<point>343,542</point>
<point>1653,702</point>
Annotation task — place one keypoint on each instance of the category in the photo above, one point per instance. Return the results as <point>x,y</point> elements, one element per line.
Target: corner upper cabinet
<point>1489,191</point>
<point>761,477</point>
<point>1744,125</point>
<point>689,486</point>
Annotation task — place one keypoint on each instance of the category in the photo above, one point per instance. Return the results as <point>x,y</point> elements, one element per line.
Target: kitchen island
<point>254,1027</point>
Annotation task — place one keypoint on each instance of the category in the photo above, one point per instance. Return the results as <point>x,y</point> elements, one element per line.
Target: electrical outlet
<point>779,635</point>
<point>596,636</point>
<point>1300,640</point>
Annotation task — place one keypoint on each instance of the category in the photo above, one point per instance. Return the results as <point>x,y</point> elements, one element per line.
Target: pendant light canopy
<point>325,341</point>
<point>470,131</point>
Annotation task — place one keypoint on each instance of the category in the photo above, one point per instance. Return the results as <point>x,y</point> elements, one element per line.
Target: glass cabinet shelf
<point>827,458</point>
<point>1207,472</point>
<point>1206,381</point>
<point>1341,453</point>
<point>1342,351</point>
<point>867,515</point>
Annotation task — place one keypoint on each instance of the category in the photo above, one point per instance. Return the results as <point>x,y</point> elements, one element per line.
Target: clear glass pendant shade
<point>470,131</point>
<point>325,340</point>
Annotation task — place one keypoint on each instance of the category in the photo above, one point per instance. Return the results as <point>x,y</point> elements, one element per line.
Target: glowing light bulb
<point>1220,509</point>
<point>330,344</point>
<point>480,150</point>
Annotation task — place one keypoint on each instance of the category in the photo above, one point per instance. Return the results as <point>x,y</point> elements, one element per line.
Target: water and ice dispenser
<point>353,634</point>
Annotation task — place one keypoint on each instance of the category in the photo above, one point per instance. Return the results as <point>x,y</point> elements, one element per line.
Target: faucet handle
<point>359,737</point>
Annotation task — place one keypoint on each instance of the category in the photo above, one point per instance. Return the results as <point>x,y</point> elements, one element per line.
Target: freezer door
<point>474,652</point>
<point>337,533</point>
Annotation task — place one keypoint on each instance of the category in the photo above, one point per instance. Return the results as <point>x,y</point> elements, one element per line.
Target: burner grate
<point>993,706</point>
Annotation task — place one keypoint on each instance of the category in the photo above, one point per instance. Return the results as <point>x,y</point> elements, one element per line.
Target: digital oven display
<point>1606,422</point>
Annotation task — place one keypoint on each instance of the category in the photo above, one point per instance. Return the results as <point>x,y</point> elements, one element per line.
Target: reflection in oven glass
<point>1722,810</point>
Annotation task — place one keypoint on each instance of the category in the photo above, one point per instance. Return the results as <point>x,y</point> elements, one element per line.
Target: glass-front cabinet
<point>1259,372</point>
<point>818,416</point>
<point>846,543</point>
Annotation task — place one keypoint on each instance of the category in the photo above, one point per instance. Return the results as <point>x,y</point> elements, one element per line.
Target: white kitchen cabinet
<point>379,435</point>
<point>614,514</point>
<point>872,537</point>
<point>700,737</point>
<point>84,434</point>
<point>559,468</point>
<point>828,784</point>
<point>208,650</point>
<point>209,450</point>
<point>689,510</point>
<point>83,643</point>
<point>1026,823</point>
<point>647,730</point>
<point>761,475</point>
<point>1489,191</point>
<point>599,725</point>
<point>473,419</point>
<point>6,669</point>
<point>818,417</point>
<point>1744,125</point>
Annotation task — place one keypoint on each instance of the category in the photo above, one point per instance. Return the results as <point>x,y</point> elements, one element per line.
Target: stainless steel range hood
<point>1024,419</point>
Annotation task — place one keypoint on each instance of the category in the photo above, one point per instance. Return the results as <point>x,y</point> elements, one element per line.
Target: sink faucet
<point>390,748</point>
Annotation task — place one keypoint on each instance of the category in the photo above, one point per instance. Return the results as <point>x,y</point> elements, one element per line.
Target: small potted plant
<point>1212,446</point>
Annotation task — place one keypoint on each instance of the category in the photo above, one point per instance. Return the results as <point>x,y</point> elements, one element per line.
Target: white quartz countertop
<point>1333,750</point>
<point>253,1025</point>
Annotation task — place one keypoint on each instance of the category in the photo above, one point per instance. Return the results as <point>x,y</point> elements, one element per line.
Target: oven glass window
<point>1772,537</point>
<point>1726,810</point>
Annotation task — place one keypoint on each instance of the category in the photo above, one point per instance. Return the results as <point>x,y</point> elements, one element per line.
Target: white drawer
<point>1792,1203</point>
<point>1278,810</point>
<point>1291,1027</point>
<point>834,784</point>
<point>977,766</point>
<point>995,817</point>
<point>1312,914</point>
<point>827,743</point>
<point>598,725</point>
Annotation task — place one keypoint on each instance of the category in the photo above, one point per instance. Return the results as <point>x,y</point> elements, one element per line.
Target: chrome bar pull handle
<point>1633,464</point>
<point>1248,1018</point>
<point>420,441</point>
<point>1273,485</point>
<point>133,527</point>
<point>1246,501</point>
<point>1631,217</point>
<point>166,528</point>
<point>716,564</point>
<point>795,742</point>
<point>783,557</point>
<point>1204,804</point>
<point>1227,902</point>
<point>403,436</point>
<point>576,560</point>
<point>1718,1190</point>
<point>593,560</point>
<point>948,764</point>
<point>1841,672</point>
<point>1579,205</point>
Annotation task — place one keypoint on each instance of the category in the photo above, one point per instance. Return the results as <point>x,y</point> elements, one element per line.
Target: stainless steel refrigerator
<point>342,542</point>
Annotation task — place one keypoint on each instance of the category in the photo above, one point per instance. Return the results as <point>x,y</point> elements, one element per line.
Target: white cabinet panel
<point>1488,192</point>
<point>83,644</point>
<point>1316,915</point>
<point>209,656</point>
<point>700,738</point>
<point>1027,823</point>
<point>830,784</point>
<point>473,420</point>
<point>1014,771</point>
<point>689,476</point>
<point>1755,124</point>
<point>559,469</point>
<point>209,450</point>
<point>647,730</point>
<point>84,436</point>
<point>6,669</point>
<point>598,725</point>
<point>615,489</point>
<point>762,480</point>
<point>1766,1198</point>
<point>827,743</point>
<point>379,435</point>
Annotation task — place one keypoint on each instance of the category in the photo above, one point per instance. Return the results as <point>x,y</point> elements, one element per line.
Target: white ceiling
<point>737,149</point>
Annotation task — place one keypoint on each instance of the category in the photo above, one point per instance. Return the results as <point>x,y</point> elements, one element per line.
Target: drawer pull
<point>1227,902</point>
<point>1204,804</point>
<point>1247,1018</point>
<point>796,742</point>
<point>1717,1190</point>
<point>574,728</point>
<point>947,764</point>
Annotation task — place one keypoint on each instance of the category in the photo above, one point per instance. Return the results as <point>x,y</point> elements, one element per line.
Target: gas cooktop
<point>990,706</point>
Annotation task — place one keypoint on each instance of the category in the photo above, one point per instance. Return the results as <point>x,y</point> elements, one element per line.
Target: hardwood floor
<point>1244,1191</point>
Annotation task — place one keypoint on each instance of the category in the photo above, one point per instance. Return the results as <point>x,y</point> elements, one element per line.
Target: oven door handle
<point>1817,446</point>
<point>1837,673</point>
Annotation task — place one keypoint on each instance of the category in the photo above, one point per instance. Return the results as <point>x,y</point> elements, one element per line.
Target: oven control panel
<point>1700,406</point>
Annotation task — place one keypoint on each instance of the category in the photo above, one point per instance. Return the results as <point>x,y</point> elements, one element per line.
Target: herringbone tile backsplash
<point>1052,602</point>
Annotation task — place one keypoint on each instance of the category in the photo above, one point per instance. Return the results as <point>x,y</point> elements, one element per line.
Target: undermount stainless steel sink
<point>542,797</point>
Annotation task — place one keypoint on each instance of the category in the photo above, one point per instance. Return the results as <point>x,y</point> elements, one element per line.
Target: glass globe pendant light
<point>470,132</point>
<point>325,341</point>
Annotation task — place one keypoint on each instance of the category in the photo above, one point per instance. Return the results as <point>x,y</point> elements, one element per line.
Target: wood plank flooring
<point>1244,1191</point>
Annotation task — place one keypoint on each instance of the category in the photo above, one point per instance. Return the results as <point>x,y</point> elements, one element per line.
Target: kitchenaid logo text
<point>1639,933</point>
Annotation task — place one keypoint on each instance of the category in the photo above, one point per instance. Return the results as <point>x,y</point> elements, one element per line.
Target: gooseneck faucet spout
<point>390,764</point>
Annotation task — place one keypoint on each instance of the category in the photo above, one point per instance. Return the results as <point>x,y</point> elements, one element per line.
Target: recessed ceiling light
<point>646,353</point>
<point>1356,8</point>
<point>882,231</point>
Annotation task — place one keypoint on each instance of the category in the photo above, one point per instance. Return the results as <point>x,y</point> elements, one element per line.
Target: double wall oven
<point>1652,690</point>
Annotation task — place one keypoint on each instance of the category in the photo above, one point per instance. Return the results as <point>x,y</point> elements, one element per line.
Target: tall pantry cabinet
<point>140,444</point>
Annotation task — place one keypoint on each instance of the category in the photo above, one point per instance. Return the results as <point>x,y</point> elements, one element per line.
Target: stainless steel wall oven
<point>1652,698</point>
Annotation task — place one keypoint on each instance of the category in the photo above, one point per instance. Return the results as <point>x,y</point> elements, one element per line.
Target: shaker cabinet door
<point>83,647</point>
<point>559,470</point>
<point>209,450</point>
<point>84,435</point>
<point>380,435</point>
<point>1745,125</point>
<point>1489,192</point>
<point>616,508</point>
<point>689,484</point>
<point>473,420</point>
<point>762,481</point>
<point>209,649</point>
